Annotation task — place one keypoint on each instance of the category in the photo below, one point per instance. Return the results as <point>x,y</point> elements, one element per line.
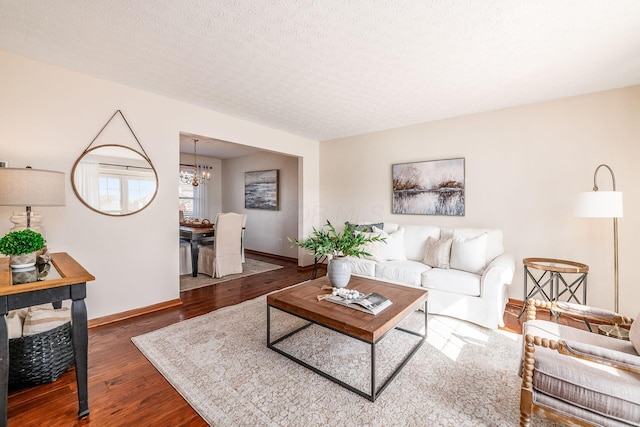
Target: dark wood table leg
<point>4,363</point>
<point>80,338</point>
<point>194,257</point>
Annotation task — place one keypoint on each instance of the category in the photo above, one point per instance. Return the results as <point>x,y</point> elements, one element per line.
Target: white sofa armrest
<point>499,272</point>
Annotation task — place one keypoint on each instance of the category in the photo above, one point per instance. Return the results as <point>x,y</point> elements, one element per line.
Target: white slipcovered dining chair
<point>225,256</point>
<point>244,224</point>
<point>185,257</point>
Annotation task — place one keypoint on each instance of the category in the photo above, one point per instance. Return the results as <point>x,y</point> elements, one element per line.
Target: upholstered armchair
<point>576,377</point>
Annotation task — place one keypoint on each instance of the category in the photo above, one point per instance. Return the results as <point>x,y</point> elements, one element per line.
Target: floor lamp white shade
<point>604,204</point>
<point>30,187</point>
<point>598,204</point>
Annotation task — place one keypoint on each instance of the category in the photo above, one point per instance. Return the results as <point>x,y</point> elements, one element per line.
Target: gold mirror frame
<point>134,162</point>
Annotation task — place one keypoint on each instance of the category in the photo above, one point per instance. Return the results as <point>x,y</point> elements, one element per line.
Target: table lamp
<point>604,204</point>
<point>30,187</point>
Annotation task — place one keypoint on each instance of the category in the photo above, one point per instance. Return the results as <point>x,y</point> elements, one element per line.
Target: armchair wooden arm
<point>528,366</point>
<point>622,365</point>
<point>562,347</point>
<point>599,315</point>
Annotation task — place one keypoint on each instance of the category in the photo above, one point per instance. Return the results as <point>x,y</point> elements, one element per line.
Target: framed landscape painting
<point>261,190</point>
<point>429,188</point>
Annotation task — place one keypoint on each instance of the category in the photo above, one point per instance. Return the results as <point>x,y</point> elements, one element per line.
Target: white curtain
<point>201,208</point>
<point>86,181</point>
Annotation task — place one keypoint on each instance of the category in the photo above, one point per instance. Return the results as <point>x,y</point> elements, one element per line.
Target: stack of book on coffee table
<point>372,303</point>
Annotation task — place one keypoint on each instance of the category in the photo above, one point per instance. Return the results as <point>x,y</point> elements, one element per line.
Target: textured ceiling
<point>325,69</point>
<point>212,147</point>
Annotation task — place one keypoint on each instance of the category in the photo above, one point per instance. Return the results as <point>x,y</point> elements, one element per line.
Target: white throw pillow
<point>14,324</point>
<point>393,250</point>
<point>41,319</point>
<point>469,255</point>
<point>634,334</point>
<point>437,253</point>
<point>375,249</point>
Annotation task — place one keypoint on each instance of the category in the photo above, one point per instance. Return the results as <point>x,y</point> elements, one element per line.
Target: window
<point>194,201</point>
<point>139,192</point>
<point>121,193</point>
<point>110,197</point>
<point>186,196</point>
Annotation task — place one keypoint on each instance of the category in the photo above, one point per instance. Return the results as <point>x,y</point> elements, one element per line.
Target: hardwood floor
<point>124,388</point>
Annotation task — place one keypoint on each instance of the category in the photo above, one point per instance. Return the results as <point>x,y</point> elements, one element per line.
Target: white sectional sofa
<point>465,269</point>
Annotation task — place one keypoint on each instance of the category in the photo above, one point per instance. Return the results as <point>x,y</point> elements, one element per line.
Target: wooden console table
<point>68,284</point>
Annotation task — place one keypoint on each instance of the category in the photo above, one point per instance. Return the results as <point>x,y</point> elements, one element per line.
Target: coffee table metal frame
<point>374,392</point>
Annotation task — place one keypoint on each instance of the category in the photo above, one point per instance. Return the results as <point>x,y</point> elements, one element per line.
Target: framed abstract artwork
<point>433,187</point>
<point>261,190</point>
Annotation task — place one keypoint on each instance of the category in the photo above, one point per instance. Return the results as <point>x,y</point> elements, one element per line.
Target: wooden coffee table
<point>301,301</point>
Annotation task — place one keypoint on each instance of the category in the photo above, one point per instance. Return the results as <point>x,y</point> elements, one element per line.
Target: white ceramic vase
<point>24,275</point>
<point>339,272</point>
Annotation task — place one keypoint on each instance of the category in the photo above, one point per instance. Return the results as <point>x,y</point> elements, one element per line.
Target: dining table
<point>196,234</point>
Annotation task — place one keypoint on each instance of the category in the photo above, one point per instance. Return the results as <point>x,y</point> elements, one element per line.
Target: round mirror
<point>114,180</point>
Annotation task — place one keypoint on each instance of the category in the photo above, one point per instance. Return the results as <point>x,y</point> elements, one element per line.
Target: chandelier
<point>193,178</point>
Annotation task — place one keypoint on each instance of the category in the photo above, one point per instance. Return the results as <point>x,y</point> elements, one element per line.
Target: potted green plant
<point>329,242</point>
<point>22,247</point>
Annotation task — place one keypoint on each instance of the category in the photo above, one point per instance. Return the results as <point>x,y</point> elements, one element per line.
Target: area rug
<point>249,267</point>
<point>463,375</point>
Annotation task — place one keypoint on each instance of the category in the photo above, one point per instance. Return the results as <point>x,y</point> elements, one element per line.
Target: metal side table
<point>548,285</point>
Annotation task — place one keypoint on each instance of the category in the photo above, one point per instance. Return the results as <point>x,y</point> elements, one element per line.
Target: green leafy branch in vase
<point>328,241</point>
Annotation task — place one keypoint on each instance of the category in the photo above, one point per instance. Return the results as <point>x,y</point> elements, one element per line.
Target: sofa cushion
<point>583,383</point>
<point>454,281</point>
<point>437,252</point>
<point>634,334</point>
<point>393,248</point>
<point>495,247</point>
<point>362,266</point>
<point>407,272</point>
<point>415,239</point>
<point>469,254</point>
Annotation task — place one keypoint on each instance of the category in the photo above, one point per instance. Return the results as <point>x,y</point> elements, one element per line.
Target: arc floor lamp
<point>604,204</point>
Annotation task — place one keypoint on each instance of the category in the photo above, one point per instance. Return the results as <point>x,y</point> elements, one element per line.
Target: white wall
<point>523,166</point>
<point>266,231</point>
<point>48,115</point>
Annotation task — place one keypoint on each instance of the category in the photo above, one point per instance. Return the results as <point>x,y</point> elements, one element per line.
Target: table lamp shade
<point>31,187</point>
<point>598,204</point>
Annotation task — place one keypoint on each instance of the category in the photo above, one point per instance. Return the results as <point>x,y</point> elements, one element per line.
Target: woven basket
<point>41,358</point>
